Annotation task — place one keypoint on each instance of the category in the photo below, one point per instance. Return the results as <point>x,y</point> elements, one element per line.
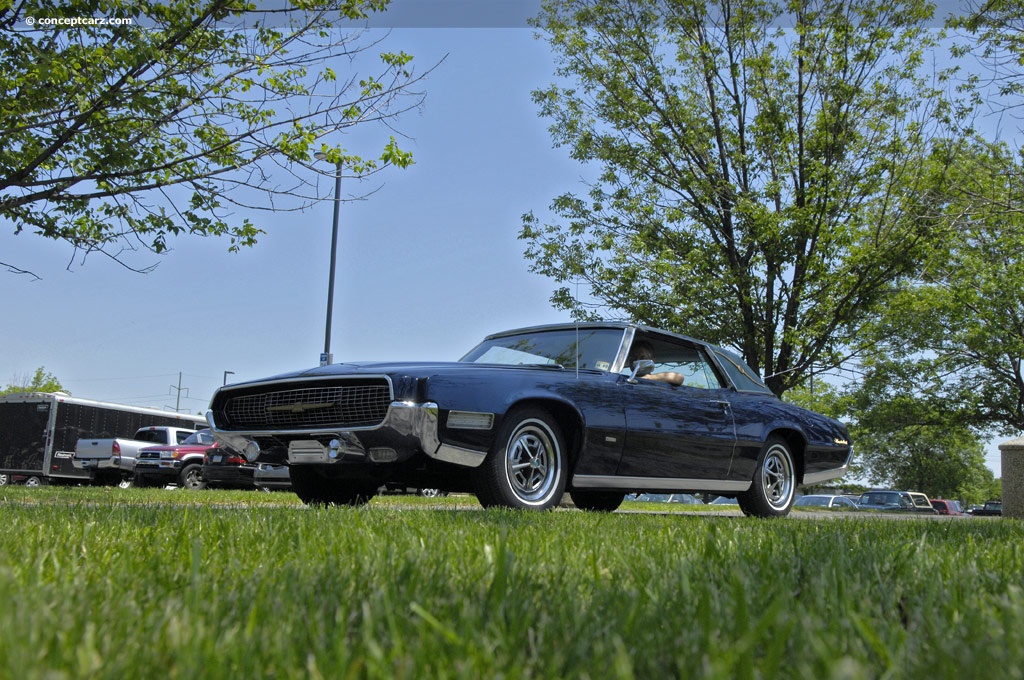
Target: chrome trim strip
<point>619,362</point>
<point>657,483</point>
<point>459,455</point>
<point>819,477</point>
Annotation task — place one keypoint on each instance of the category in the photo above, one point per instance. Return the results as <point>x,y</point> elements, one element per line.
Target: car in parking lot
<point>595,410</point>
<point>947,507</point>
<point>989,509</point>
<point>270,477</point>
<point>888,500</point>
<point>225,468</point>
<point>683,498</point>
<point>180,464</point>
<point>825,502</point>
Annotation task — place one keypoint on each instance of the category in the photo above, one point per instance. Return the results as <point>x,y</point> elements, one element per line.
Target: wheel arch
<point>568,417</point>
<point>797,443</point>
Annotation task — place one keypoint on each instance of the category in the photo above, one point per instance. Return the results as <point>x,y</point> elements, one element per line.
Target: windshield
<point>593,348</point>
<point>200,437</point>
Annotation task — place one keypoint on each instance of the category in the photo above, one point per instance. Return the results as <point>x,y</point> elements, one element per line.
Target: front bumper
<point>406,426</point>
<point>158,468</point>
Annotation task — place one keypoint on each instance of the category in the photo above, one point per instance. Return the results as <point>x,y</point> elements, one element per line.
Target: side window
<point>181,436</point>
<point>688,361</point>
<point>697,372</point>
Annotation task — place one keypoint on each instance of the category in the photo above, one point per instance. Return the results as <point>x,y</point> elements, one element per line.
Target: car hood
<point>405,368</point>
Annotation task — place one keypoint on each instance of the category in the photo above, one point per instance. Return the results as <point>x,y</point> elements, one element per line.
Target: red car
<point>180,464</point>
<point>945,507</point>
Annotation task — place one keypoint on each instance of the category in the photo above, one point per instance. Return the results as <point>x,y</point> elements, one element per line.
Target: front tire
<point>526,468</point>
<point>313,488</point>
<point>192,477</point>
<point>774,486</point>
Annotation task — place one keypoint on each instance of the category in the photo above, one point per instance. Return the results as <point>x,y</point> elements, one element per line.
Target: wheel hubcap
<point>777,478</point>
<point>532,463</point>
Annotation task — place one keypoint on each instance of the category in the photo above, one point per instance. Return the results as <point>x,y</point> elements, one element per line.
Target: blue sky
<point>427,265</point>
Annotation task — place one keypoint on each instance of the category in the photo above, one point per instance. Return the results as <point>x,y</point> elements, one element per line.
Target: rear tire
<point>596,501</point>
<point>314,488</point>
<point>526,468</point>
<point>774,486</point>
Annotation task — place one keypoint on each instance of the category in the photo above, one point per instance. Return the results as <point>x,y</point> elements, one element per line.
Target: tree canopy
<point>175,114</point>
<point>759,179</point>
<point>41,381</point>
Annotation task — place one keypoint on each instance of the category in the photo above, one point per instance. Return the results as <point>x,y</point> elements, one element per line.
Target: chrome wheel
<point>526,466</point>
<point>773,488</point>
<point>777,477</point>
<point>533,462</point>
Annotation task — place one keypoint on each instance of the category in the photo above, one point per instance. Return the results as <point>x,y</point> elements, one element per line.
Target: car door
<point>678,432</point>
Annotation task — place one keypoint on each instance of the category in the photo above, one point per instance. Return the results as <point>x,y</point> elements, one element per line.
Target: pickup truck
<point>113,460</point>
<point>180,464</point>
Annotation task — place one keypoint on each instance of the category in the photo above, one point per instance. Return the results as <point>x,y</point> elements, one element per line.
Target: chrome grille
<point>362,403</point>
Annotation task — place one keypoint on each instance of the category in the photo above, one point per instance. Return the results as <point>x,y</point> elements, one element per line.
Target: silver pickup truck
<point>113,460</point>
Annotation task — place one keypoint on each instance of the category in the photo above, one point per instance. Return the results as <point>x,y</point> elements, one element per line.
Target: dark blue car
<point>596,410</point>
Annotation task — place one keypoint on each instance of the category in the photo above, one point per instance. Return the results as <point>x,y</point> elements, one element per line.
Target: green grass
<point>111,583</point>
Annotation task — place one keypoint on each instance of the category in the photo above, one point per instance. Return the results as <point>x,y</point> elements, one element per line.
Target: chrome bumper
<point>96,463</point>
<point>403,419</point>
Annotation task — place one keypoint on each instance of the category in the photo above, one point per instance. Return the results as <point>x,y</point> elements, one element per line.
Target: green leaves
<point>137,133</point>
<point>751,179</point>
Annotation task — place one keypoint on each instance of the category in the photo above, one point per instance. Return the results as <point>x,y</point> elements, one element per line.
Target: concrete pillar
<point>1013,477</point>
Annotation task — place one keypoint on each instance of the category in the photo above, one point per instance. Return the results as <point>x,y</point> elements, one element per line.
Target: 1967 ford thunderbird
<point>597,410</point>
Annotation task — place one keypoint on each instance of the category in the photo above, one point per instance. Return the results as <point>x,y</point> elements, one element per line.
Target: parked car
<point>271,477</point>
<point>887,500</point>
<point>180,464</point>
<point>946,507</point>
<point>530,414</point>
<point>922,503</point>
<point>825,502</point>
<point>224,468</point>
<point>684,498</point>
<point>989,509</point>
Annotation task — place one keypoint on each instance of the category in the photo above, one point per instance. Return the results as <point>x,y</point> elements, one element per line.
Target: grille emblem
<point>300,408</point>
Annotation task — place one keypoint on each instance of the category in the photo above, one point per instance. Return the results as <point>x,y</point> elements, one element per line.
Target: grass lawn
<point>147,583</point>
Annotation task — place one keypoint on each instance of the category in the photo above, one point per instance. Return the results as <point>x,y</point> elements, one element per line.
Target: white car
<point>825,502</point>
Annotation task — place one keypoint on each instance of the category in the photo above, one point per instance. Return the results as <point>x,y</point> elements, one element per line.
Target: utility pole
<point>179,389</point>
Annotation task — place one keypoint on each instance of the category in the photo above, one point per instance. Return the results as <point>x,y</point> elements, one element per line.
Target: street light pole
<point>326,358</point>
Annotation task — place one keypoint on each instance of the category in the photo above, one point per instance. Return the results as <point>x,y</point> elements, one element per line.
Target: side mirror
<point>641,367</point>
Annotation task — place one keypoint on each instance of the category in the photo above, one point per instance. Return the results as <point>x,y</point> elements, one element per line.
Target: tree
<point>997,28</point>
<point>41,381</point>
<point>756,182</point>
<point>173,113</point>
<point>958,328</point>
